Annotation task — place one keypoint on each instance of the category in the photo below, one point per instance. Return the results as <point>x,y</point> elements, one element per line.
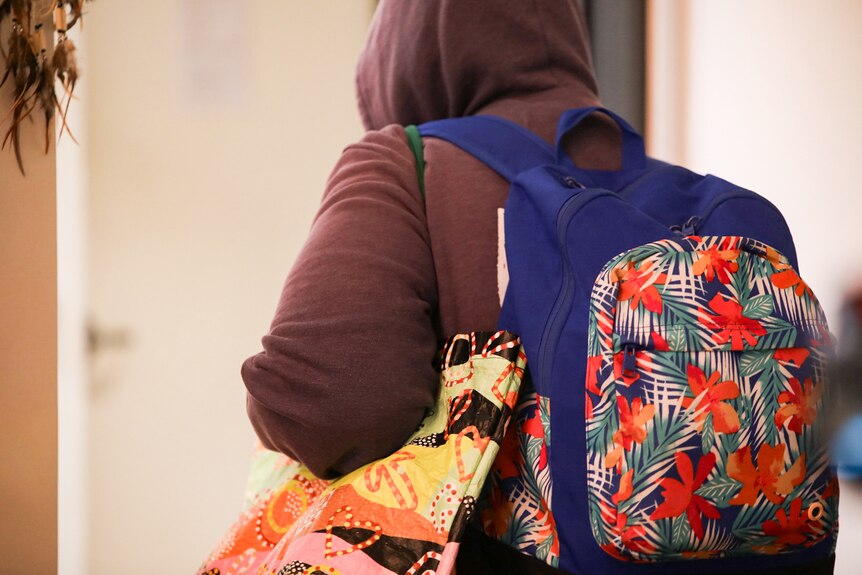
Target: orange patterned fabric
<point>403,514</point>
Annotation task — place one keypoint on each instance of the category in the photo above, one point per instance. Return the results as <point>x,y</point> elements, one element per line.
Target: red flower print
<point>769,475</point>
<point>594,364</point>
<point>631,537</point>
<point>605,322</point>
<point>638,286</point>
<point>730,324</point>
<point>626,488</point>
<point>794,355</point>
<point>798,406</point>
<point>709,397</point>
<point>509,458</point>
<point>831,489</point>
<point>716,262</point>
<point>679,496</point>
<point>789,278</point>
<point>659,342</point>
<point>632,428</point>
<point>611,548</point>
<point>534,428</point>
<point>792,529</point>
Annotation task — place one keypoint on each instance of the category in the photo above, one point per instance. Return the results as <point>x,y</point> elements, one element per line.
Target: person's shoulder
<point>379,163</point>
<point>389,141</point>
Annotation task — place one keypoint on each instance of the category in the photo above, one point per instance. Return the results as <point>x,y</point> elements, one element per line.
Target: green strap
<point>414,139</point>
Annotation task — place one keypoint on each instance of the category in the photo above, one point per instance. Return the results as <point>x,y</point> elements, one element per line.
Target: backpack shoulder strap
<point>503,146</point>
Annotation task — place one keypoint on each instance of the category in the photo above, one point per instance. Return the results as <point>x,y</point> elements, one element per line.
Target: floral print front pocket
<point>704,400</point>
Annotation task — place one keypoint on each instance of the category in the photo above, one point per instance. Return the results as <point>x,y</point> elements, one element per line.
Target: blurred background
<point>207,130</point>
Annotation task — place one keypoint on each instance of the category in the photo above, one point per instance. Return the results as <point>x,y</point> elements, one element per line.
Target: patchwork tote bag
<point>403,514</point>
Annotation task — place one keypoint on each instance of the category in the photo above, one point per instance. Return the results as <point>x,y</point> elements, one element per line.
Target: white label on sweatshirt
<point>502,267</point>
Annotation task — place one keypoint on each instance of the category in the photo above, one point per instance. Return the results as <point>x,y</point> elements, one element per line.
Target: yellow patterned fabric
<point>402,514</point>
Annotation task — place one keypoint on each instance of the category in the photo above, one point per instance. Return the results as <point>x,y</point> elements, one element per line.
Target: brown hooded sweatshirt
<point>346,371</point>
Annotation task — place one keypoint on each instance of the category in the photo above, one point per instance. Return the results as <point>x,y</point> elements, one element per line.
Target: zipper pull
<point>630,368</point>
<point>689,227</point>
<point>571,182</point>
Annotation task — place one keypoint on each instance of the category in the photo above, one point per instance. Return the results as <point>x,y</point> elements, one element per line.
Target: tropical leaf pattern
<point>517,502</point>
<point>704,394</point>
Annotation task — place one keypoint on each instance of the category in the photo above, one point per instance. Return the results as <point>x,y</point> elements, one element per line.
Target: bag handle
<point>634,152</point>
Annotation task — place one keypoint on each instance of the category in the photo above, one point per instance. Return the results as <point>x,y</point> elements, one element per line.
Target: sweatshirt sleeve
<point>346,373</point>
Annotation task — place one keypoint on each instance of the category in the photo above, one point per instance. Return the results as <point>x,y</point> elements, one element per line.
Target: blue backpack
<point>676,359</point>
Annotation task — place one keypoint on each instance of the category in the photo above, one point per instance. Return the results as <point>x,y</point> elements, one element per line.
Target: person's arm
<point>346,373</point>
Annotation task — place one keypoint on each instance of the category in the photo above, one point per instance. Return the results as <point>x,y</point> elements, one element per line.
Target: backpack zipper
<point>562,305</point>
<point>694,222</point>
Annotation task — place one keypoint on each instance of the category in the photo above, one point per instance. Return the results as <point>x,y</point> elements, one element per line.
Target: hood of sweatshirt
<point>432,59</point>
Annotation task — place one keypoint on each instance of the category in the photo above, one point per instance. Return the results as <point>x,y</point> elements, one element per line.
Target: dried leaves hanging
<point>32,72</point>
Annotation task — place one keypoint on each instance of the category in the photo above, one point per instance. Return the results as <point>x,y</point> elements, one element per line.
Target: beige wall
<point>206,161</point>
<point>766,94</point>
<point>28,354</point>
